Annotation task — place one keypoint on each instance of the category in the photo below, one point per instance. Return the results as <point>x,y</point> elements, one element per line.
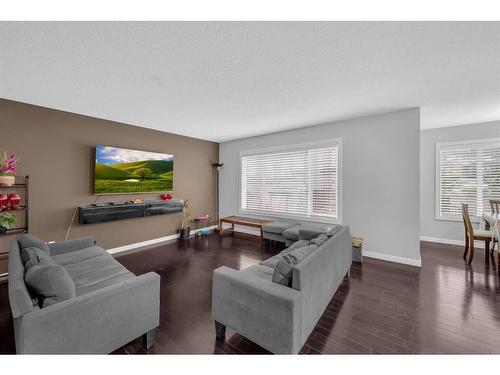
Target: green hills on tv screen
<point>119,170</point>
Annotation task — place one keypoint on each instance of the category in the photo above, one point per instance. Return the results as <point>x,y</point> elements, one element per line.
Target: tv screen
<point>124,171</point>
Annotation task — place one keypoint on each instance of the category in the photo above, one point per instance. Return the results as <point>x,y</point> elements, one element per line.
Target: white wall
<point>380,178</point>
<point>441,230</point>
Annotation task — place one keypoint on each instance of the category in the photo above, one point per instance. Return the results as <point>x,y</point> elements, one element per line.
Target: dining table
<point>492,221</point>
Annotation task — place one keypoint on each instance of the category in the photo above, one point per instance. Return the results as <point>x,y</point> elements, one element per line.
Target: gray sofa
<point>108,308</point>
<point>277,317</point>
<point>288,231</point>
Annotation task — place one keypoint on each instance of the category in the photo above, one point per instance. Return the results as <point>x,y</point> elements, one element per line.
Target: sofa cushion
<point>320,240</point>
<point>50,283</point>
<point>96,272</point>
<point>260,271</point>
<point>283,270</point>
<point>32,256</point>
<point>271,262</point>
<point>78,255</point>
<point>278,226</point>
<point>28,240</point>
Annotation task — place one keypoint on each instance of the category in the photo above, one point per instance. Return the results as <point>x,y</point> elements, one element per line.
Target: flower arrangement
<point>8,164</point>
<point>186,214</point>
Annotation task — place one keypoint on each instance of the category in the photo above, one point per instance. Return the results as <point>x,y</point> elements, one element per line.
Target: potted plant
<point>8,169</point>
<point>185,220</point>
<point>7,221</point>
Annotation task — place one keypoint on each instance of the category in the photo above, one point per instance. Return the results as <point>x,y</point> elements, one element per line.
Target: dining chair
<point>495,206</point>
<point>472,234</point>
<point>495,210</point>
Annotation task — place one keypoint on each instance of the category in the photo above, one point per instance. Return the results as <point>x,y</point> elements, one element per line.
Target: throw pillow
<point>29,240</point>
<point>336,228</point>
<point>32,256</point>
<point>320,240</point>
<point>50,283</point>
<point>296,245</point>
<point>284,267</point>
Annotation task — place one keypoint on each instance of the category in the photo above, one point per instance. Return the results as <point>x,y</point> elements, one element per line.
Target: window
<point>300,181</point>
<point>467,172</point>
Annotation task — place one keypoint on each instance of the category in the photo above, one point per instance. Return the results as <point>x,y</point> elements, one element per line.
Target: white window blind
<point>302,181</point>
<point>468,172</point>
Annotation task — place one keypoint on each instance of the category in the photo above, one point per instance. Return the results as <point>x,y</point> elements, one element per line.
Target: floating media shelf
<point>98,213</point>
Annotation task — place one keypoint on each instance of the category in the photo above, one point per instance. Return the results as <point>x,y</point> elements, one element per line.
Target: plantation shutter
<point>468,173</point>
<point>301,182</point>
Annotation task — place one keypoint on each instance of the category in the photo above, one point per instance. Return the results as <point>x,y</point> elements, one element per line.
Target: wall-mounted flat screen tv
<point>125,171</point>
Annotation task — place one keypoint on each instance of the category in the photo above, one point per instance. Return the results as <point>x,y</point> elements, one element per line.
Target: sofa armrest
<point>309,233</point>
<point>96,322</point>
<point>265,312</point>
<point>61,247</point>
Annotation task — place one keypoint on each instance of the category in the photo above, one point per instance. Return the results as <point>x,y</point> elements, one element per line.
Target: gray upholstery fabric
<point>278,226</point>
<point>32,256</point>
<point>297,245</point>
<point>30,240</point>
<point>50,283</point>
<point>111,308</point>
<point>273,236</point>
<point>271,262</point>
<point>320,240</point>
<point>92,269</point>
<point>94,323</point>
<point>68,246</point>
<point>19,297</point>
<point>267,313</point>
<point>79,255</point>
<point>261,271</point>
<point>319,276</point>
<point>312,231</point>
<point>283,270</point>
<point>274,316</point>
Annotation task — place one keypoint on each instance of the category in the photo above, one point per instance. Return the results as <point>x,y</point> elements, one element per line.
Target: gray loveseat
<point>108,307</point>
<point>279,317</point>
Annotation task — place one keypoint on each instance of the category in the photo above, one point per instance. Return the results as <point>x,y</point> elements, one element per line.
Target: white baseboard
<point>170,237</point>
<point>369,254</point>
<point>447,241</point>
<point>392,258</point>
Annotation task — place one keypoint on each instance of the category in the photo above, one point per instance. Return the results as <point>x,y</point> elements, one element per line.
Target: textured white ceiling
<point>227,80</point>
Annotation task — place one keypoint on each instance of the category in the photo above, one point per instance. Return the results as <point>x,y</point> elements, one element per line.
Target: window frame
<point>437,190</point>
<point>293,147</point>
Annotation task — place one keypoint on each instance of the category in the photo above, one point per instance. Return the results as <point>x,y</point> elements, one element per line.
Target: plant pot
<point>7,180</point>
<point>3,231</point>
<point>184,233</point>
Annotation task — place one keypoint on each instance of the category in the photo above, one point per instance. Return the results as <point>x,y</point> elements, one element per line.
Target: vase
<point>7,180</point>
<point>184,233</point>
<point>14,200</point>
<point>3,202</point>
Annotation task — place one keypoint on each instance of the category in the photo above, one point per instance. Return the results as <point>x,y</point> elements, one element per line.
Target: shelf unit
<point>24,187</point>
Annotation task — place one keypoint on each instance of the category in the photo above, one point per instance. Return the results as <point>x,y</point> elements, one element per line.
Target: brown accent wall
<point>57,151</point>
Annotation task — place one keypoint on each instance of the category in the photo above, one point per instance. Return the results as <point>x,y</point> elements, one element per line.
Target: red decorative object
<point>166,197</point>
<point>3,202</point>
<point>14,200</point>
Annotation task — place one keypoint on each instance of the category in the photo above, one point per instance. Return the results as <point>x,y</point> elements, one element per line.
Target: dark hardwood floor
<point>444,307</point>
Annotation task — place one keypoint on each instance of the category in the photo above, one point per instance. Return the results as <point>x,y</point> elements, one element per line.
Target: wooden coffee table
<point>239,220</point>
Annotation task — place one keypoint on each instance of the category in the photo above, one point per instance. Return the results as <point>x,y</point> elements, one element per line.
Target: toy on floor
<point>202,232</point>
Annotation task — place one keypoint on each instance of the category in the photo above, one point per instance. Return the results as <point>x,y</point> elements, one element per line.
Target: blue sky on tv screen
<point>114,155</point>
